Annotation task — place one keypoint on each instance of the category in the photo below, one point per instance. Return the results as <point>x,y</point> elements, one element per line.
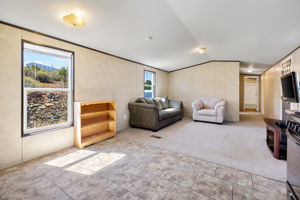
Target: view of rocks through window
<point>46,108</point>
<point>46,89</point>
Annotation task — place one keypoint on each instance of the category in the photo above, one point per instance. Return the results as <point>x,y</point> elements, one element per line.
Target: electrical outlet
<point>125,117</point>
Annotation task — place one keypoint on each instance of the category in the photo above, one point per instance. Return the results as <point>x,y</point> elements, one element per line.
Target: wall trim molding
<point>73,43</point>
<point>204,63</point>
<point>289,54</point>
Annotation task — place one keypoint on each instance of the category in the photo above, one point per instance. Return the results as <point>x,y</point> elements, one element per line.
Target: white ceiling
<point>258,32</point>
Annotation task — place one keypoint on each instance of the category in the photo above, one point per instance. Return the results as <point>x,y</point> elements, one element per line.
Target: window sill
<point>46,131</point>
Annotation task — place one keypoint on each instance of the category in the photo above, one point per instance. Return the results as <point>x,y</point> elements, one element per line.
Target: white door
<point>251,92</point>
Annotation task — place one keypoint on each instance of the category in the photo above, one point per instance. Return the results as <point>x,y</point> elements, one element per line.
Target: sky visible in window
<point>48,60</point>
<point>148,76</point>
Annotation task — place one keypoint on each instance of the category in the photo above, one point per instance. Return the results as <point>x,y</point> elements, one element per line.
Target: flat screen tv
<point>290,87</point>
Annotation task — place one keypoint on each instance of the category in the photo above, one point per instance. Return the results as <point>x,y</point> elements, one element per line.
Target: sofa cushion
<point>165,102</point>
<point>169,112</point>
<point>207,112</point>
<point>158,103</point>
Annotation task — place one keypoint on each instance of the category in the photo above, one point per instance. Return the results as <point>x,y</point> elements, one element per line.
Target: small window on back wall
<point>47,88</point>
<point>149,84</point>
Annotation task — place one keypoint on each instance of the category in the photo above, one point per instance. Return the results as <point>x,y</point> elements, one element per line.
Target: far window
<point>149,84</point>
<point>47,88</point>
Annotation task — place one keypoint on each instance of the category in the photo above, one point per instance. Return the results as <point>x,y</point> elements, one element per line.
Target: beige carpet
<point>239,145</point>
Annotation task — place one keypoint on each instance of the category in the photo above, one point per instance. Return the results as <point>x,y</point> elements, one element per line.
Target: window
<point>149,84</point>
<point>47,88</point>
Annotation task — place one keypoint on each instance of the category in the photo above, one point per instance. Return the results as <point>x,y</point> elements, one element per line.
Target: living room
<point>147,100</point>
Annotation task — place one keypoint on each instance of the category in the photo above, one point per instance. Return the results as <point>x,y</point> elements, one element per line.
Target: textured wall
<point>97,77</point>
<point>214,79</point>
<point>271,87</point>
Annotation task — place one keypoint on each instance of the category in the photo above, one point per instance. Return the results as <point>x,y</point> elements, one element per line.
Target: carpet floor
<point>239,145</point>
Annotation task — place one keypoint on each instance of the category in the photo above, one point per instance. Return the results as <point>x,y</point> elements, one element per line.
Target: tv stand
<point>276,139</point>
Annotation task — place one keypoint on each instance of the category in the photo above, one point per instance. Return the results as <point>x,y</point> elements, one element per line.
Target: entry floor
<point>240,145</point>
<point>121,168</point>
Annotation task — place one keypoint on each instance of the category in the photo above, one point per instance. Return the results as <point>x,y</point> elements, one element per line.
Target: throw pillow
<point>165,102</point>
<point>150,101</point>
<point>199,105</point>
<point>158,103</point>
<point>141,100</point>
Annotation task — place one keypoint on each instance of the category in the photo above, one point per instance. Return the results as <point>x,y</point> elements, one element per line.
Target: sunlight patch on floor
<point>85,162</point>
<point>96,163</point>
<point>70,158</point>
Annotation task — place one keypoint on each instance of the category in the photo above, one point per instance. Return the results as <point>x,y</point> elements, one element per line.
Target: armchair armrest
<point>220,104</point>
<point>175,104</point>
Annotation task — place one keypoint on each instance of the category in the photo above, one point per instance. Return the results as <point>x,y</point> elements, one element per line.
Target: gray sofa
<point>154,114</point>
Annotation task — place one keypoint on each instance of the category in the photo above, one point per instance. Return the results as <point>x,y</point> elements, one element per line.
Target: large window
<point>47,88</point>
<point>149,84</point>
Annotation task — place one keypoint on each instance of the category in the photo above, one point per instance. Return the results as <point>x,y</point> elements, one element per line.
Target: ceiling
<point>258,32</point>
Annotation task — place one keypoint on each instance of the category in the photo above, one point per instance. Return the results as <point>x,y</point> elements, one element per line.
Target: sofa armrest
<point>175,104</point>
<point>143,115</point>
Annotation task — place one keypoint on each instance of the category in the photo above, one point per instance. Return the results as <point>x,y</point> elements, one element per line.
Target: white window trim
<point>66,54</point>
<point>153,86</point>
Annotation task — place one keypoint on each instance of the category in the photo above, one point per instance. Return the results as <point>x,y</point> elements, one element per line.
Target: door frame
<point>257,89</point>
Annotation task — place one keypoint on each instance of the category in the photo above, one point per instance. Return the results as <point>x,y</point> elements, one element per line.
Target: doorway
<point>251,93</point>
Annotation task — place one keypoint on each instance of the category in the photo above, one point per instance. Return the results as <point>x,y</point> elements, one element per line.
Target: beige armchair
<point>209,109</point>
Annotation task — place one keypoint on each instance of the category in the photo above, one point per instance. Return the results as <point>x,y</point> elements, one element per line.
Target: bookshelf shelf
<point>94,122</point>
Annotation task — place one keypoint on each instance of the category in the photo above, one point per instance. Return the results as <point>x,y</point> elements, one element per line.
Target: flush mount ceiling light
<point>74,20</point>
<point>149,37</point>
<point>249,70</point>
<point>202,50</point>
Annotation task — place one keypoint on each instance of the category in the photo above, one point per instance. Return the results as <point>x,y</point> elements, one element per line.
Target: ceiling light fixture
<point>249,70</point>
<point>74,20</point>
<point>149,37</point>
<point>202,50</point>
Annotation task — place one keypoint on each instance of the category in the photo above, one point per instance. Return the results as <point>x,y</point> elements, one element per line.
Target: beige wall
<point>97,77</point>
<point>213,79</point>
<point>271,87</point>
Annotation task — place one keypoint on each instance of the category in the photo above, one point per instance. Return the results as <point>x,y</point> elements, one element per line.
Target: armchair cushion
<point>207,112</point>
<point>209,103</point>
<point>199,104</point>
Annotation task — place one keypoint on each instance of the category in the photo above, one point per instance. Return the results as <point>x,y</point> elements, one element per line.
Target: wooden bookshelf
<point>94,122</point>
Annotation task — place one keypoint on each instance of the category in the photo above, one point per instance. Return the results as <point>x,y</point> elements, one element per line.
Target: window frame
<point>153,85</point>
<point>70,91</point>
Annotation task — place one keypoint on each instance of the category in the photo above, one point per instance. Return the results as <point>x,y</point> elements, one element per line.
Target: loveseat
<point>154,113</point>
<point>209,109</point>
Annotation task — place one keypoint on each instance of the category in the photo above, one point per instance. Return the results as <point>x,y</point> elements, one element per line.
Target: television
<point>290,87</point>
